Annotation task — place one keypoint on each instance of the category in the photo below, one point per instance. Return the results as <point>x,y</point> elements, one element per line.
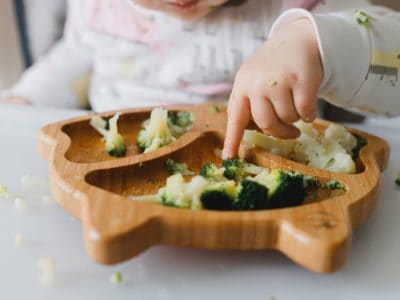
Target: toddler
<point>273,57</point>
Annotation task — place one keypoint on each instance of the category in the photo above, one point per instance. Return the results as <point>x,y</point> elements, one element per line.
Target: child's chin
<point>190,14</point>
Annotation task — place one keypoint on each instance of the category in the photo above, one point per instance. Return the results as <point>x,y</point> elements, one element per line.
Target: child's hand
<point>16,100</point>
<point>276,86</point>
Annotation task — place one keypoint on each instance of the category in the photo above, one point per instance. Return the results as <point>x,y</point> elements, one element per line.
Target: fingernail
<point>225,154</point>
<point>309,119</point>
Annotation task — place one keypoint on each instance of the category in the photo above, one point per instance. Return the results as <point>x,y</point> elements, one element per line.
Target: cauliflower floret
<point>280,147</point>
<point>156,132</point>
<point>325,152</point>
<point>338,133</point>
<point>342,163</point>
<point>307,148</point>
<point>307,129</point>
<point>195,187</point>
<point>174,193</point>
<point>330,151</point>
<point>178,193</point>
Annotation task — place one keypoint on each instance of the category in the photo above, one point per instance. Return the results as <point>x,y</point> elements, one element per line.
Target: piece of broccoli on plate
<point>180,122</point>
<point>115,144</point>
<point>219,195</point>
<point>174,167</point>
<point>234,168</point>
<point>251,195</point>
<point>333,184</point>
<point>285,188</point>
<point>181,118</point>
<point>114,141</point>
<point>214,109</point>
<point>212,172</point>
<point>163,128</point>
<point>311,181</point>
<point>237,169</point>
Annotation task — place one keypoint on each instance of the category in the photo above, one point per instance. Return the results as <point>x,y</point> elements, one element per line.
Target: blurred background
<point>28,28</point>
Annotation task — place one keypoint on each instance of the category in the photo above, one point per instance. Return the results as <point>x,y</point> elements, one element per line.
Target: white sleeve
<point>361,61</point>
<point>61,77</point>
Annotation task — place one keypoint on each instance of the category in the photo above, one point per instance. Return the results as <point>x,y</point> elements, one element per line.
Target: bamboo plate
<point>94,187</point>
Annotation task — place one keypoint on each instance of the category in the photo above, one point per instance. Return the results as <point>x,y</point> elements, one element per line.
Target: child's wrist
<point>302,33</point>
<point>302,27</point>
<point>15,100</point>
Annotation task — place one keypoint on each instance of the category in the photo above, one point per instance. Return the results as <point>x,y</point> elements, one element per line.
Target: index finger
<point>238,118</point>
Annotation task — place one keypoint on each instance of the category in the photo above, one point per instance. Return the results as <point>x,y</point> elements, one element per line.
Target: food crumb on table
<point>116,278</point>
<point>46,266</point>
<point>4,193</point>
<point>19,240</point>
<point>20,204</point>
<point>47,199</point>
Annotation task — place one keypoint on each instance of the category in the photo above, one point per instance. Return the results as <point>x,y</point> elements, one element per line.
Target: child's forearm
<point>59,79</point>
<point>360,55</point>
<point>14,100</point>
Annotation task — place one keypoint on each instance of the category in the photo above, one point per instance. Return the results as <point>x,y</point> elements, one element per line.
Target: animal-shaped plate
<point>94,187</point>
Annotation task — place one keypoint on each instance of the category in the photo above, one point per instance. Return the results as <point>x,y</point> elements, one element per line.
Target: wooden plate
<point>94,187</point>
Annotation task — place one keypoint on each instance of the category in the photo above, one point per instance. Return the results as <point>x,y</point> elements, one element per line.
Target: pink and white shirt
<point>127,56</point>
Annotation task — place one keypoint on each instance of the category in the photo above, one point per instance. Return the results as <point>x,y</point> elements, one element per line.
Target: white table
<point>372,270</point>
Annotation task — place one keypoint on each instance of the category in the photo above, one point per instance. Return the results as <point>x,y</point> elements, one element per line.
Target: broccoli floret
<point>174,167</point>
<point>181,118</point>
<point>163,128</point>
<point>333,184</point>
<point>214,109</point>
<point>397,180</point>
<point>237,169</point>
<point>114,141</point>
<point>212,172</point>
<point>115,144</point>
<point>310,181</point>
<point>184,118</point>
<point>219,196</point>
<point>180,122</point>
<point>361,18</point>
<point>233,168</point>
<point>167,201</point>
<point>251,195</point>
<point>285,188</point>
<point>361,142</point>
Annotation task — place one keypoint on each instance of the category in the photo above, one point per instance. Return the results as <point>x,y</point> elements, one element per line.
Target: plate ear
<point>47,140</point>
<point>318,237</point>
<point>116,229</point>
